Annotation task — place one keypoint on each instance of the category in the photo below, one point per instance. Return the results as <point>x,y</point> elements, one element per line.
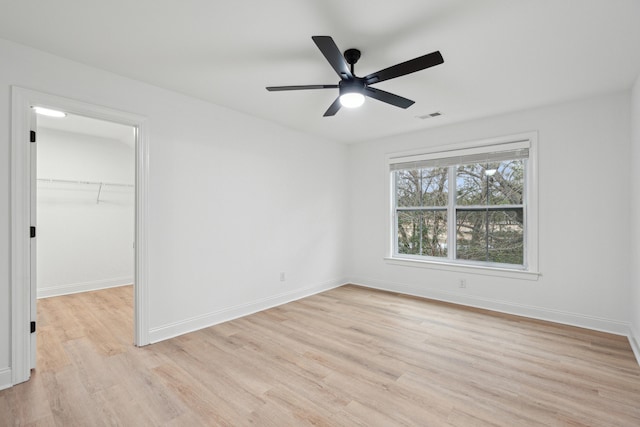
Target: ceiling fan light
<point>351,99</point>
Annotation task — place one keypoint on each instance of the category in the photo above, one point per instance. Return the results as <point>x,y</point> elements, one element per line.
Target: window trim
<point>526,140</point>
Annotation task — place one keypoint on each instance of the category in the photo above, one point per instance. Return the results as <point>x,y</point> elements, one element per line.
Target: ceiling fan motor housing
<point>356,85</point>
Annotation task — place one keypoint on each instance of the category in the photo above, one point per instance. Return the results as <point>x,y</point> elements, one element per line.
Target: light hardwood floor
<point>349,356</point>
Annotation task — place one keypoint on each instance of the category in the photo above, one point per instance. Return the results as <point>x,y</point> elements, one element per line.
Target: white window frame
<point>504,143</point>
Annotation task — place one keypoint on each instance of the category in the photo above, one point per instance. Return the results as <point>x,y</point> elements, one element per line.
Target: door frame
<point>21,102</point>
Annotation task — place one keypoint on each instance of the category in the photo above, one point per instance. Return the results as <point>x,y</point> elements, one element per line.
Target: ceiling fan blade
<point>404,68</point>
<point>387,97</point>
<point>330,51</point>
<point>333,108</point>
<point>279,88</point>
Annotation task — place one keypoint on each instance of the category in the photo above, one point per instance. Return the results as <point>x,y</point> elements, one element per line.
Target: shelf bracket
<point>99,191</point>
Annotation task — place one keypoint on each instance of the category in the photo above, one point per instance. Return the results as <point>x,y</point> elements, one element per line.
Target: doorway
<point>85,194</point>
<point>23,207</point>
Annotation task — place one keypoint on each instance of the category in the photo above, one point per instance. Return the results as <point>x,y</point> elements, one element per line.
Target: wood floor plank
<point>118,407</point>
<point>347,357</point>
<point>204,401</point>
<point>159,405</point>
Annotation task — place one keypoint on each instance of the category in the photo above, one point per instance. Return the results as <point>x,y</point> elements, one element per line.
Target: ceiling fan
<point>353,89</point>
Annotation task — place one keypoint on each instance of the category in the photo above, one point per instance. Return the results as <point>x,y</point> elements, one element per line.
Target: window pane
<point>409,232</point>
<point>498,183</point>
<point>408,188</point>
<point>492,236</point>
<point>435,184</point>
<point>422,233</point>
<point>421,187</point>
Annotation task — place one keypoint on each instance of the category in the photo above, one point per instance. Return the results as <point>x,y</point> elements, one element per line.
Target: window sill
<point>461,268</point>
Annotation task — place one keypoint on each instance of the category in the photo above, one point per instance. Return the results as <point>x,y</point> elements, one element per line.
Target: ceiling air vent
<point>430,115</point>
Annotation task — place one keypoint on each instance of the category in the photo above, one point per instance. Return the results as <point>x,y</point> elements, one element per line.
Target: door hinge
<point>32,136</point>
<point>33,327</point>
<point>33,232</point>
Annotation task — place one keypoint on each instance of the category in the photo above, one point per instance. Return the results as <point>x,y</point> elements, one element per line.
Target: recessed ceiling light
<point>49,112</point>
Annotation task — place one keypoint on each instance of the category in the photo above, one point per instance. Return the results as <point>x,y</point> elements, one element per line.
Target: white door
<point>33,231</point>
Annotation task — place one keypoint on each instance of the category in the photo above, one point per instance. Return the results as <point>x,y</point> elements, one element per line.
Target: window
<point>469,206</point>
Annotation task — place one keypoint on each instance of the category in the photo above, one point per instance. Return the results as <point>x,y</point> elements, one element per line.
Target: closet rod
<point>68,181</point>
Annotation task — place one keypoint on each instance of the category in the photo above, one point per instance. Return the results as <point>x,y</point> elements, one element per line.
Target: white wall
<point>233,200</point>
<point>584,187</point>
<point>84,243</point>
<point>635,217</point>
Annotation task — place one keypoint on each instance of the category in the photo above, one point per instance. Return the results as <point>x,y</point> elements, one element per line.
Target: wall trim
<point>558,316</point>
<point>5,378</point>
<point>233,312</point>
<point>74,288</point>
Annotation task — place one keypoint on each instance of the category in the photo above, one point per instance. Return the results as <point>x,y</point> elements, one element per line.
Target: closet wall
<point>85,229</point>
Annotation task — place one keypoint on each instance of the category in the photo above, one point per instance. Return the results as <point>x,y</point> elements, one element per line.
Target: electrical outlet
<point>463,283</point>
<point>282,277</point>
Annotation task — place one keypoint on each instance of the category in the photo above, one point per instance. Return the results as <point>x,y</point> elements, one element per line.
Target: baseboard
<point>74,288</point>
<point>229,313</point>
<point>557,316</point>
<point>634,340</point>
<point>5,378</point>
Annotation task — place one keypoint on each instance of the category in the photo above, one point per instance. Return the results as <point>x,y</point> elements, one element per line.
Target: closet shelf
<point>100,184</point>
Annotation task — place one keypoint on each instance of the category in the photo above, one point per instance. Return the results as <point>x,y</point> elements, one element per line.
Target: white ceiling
<point>500,55</point>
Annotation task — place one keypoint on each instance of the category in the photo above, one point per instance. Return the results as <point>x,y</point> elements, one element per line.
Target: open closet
<point>85,205</point>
